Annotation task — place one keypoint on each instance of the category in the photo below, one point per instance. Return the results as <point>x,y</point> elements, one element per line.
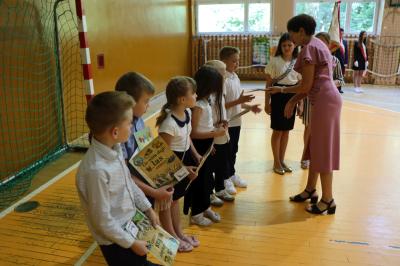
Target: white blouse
<point>277,66</point>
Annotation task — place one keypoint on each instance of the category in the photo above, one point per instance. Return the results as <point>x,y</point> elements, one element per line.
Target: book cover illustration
<point>158,165</point>
<point>161,244</point>
<point>143,137</point>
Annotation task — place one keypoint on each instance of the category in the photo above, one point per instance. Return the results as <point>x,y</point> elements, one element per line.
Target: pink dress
<point>324,146</point>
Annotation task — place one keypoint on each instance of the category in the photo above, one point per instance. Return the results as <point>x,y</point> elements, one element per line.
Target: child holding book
<point>235,100</point>
<point>141,89</point>
<point>108,195</point>
<point>209,82</point>
<point>174,126</point>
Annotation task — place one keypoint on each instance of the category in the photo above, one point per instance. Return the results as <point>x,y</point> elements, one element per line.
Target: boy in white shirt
<point>108,195</point>
<point>234,101</point>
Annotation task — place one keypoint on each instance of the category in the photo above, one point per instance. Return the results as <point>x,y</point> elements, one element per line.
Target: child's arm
<point>196,113</point>
<point>242,99</point>
<point>161,193</point>
<point>194,151</point>
<point>141,204</point>
<point>99,210</point>
<point>255,108</point>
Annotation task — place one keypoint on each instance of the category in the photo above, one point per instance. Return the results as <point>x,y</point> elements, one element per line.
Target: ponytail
<point>163,115</point>
<point>176,87</point>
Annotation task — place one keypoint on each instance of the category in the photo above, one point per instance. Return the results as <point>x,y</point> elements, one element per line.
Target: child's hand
<point>255,108</point>
<point>197,158</point>
<point>153,217</point>
<point>163,193</point>
<point>245,98</point>
<point>220,132</point>
<point>267,108</point>
<point>139,247</point>
<point>192,172</point>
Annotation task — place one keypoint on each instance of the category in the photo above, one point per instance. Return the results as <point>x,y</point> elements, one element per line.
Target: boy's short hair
<point>134,84</point>
<point>107,109</point>
<point>227,52</point>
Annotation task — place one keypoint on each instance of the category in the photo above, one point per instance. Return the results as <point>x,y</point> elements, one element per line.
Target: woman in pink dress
<point>314,63</point>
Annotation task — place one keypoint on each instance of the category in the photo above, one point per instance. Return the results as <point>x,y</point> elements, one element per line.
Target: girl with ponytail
<point>174,126</point>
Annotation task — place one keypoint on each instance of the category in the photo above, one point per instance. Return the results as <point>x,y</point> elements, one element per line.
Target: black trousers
<point>234,134</point>
<point>221,166</point>
<point>116,255</point>
<point>197,197</point>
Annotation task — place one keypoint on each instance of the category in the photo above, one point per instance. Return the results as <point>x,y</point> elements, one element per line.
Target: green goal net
<point>42,99</point>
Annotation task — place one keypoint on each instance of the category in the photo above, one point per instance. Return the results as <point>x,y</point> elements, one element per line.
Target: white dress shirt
<point>233,91</point>
<point>108,195</point>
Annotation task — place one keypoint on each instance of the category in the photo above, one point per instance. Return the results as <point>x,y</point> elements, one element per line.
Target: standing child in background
<point>235,100</point>
<point>222,147</point>
<point>360,64</point>
<point>175,127</point>
<point>141,90</point>
<point>209,82</point>
<point>108,195</point>
<point>280,73</point>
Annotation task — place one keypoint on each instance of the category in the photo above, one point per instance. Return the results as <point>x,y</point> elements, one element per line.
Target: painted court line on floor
<point>39,189</point>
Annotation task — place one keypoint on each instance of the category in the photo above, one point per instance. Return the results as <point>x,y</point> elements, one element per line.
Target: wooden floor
<point>262,227</point>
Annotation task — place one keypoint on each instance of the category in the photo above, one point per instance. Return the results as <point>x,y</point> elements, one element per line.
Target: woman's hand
<point>273,90</point>
<point>267,108</point>
<point>289,108</point>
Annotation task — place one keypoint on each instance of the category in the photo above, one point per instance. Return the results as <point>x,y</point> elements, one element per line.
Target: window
<point>233,16</point>
<point>355,15</point>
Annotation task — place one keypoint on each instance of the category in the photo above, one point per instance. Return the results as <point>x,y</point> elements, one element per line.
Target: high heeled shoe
<point>312,195</point>
<point>314,209</point>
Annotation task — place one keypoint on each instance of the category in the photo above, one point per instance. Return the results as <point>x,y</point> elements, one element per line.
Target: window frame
<point>245,18</point>
<point>377,21</point>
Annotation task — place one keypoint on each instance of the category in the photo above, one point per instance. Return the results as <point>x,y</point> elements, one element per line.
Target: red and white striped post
<point>85,53</point>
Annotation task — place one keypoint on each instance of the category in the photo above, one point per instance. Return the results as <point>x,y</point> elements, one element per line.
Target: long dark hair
<point>177,87</point>
<point>360,40</point>
<point>285,37</point>
<point>210,81</point>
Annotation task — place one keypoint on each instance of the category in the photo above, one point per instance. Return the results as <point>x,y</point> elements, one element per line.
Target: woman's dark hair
<point>285,37</point>
<point>302,21</point>
<point>177,87</point>
<point>360,40</point>
<point>210,81</point>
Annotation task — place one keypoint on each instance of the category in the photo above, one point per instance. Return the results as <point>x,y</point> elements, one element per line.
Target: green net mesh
<point>42,99</point>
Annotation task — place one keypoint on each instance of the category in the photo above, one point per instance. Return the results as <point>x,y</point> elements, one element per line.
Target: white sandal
<point>212,215</point>
<point>200,220</point>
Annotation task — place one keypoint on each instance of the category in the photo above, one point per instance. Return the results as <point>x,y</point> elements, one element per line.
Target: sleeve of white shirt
<point>167,127</point>
<point>141,202</point>
<point>100,210</point>
<point>270,69</point>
